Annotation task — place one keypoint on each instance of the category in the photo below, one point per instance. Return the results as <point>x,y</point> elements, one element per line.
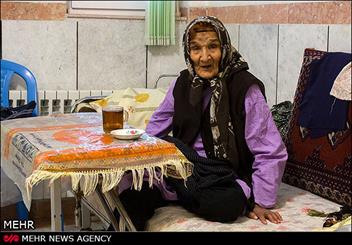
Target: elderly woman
<point>219,119</point>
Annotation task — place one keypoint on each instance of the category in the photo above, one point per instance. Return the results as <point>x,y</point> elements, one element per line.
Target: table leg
<point>82,213</point>
<point>112,194</point>
<point>55,201</point>
<point>85,216</point>
<point>113,197</point>
<point>107,208</point>
<point>78,213</point>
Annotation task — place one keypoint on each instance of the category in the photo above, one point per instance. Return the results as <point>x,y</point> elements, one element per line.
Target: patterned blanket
<point>294,205</point>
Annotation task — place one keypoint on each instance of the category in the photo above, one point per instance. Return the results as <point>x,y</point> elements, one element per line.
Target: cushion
<point>320,165</point>
<point>294,205</point>
<point>140,103</point>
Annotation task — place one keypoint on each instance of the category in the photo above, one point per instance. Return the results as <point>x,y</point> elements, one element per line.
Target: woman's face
<point>205,53</point>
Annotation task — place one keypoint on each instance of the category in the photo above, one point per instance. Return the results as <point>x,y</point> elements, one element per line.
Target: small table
<point>74,145</point>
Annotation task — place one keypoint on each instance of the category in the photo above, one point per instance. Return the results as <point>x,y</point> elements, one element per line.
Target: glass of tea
<point>113,117</point>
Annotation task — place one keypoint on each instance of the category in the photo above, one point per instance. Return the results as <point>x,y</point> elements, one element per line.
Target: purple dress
<point>262,137</point>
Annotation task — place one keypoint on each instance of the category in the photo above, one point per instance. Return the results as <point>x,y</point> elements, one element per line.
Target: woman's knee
<point>229,214</point>
<point>224,207</point>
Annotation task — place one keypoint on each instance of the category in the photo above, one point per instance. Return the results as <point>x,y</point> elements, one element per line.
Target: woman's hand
<point>263,214</point>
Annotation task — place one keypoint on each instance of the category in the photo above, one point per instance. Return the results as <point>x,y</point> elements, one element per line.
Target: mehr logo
<point>18,225</point>
<point>11,238</point>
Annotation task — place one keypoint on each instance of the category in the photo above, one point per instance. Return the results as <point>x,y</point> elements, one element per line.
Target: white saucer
<point>127,133</point>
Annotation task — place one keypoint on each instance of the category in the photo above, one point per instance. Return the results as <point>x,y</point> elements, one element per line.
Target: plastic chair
<point>8,69</point>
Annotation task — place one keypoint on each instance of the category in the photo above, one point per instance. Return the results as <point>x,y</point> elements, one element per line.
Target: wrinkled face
<point>205,53</point>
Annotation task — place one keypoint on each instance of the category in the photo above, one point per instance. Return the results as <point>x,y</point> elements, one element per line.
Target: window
<point>107,8</point>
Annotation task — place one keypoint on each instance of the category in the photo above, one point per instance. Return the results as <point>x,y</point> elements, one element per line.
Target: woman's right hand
<point>263,214</point>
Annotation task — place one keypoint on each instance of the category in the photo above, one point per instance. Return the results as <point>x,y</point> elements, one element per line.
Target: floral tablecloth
<point>74,145</point>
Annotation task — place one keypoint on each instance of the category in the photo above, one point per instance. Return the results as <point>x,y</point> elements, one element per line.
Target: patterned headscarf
<point>231,61</point>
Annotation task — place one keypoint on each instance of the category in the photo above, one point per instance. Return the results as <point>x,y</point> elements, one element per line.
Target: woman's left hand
<point>263,214</point>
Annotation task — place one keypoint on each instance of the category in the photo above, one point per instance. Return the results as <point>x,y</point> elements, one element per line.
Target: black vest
<point>188,120</point>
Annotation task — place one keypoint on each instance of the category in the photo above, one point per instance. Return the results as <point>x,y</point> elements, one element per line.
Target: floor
<point>69,225</point>
<point>40,215</point>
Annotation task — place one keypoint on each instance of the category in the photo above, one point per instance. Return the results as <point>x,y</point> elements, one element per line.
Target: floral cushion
<point>140,103</point>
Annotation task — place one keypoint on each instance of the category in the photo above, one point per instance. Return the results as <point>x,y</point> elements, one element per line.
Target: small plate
<point>127,133</point>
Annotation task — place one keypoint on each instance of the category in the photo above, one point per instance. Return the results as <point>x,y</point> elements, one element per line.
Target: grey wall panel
<point>293,40</point>
<point>233,30</point>
<point>111,54</point>
<point>258,46</point>
<point>340,38</point>
<point>166,59</point>
<point>47,48</point>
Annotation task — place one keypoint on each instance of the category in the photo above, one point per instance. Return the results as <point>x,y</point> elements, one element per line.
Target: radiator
<point>54,101</point>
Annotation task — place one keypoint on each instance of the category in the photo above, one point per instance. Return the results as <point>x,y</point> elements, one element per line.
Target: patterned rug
<point>321,165</point>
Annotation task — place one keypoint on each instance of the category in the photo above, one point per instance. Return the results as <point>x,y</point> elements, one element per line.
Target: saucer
<point>127,133</point>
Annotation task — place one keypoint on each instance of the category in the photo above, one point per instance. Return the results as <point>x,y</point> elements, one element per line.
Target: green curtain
<point>160,23</point>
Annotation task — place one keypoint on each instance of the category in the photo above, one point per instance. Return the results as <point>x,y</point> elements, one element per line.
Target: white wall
<point>110,54</point>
